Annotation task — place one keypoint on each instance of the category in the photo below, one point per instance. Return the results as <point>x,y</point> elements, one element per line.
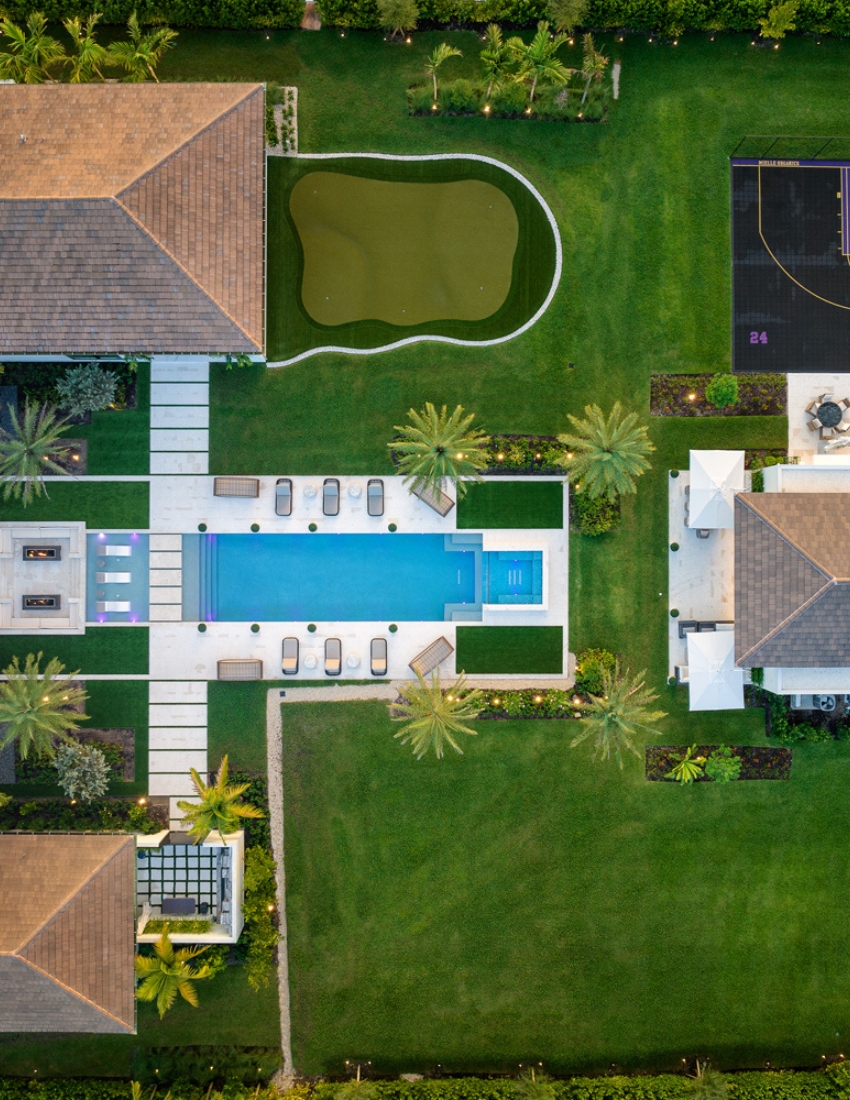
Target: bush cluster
<point>86,388</point>
<point>187,1069</point>
<point>591,666</point>
<point>44,815</point>
<point>594,515</point>
<point>530,703</point>
<point>468,97</point>
<point>259,940</point>
<point>787,732</point>
<point>525,454</point>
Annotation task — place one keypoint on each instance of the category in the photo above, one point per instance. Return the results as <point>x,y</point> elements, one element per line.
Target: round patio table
<point>829,414</point>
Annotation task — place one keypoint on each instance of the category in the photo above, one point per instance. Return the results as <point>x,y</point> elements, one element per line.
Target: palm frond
<point>604,457</point>
<point>617,716</point>
<point>435,716</point>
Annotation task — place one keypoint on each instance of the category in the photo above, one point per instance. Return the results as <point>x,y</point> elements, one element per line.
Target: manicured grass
<point>236,724</point>
<point>102,650</point>
<point>119,440</point>
<point>518,504</point>
<point>521,898</point>
<point>506,649</point>
<point>424,243</point>
<point>98,504</point>
<point>229,1013</point>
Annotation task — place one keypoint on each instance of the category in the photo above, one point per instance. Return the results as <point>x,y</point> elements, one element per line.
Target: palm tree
<point>538,60</point>
<point>606,456</point>
<point>38,711</point>
<point>495,57</point>
<point>30,450</point>
<point>593,65</point>
<point>89,55</point>
<point>220,807</point>
<point>32,53</point>
<point>616,716</point>
<point>168,973</point>
<point>438,55</point>
<point>435,716</point>
<point>143,52</point>
<point>566,14</point>
<point>435,446</point>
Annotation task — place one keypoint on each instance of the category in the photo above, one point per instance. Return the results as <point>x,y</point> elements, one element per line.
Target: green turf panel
<point>505,649</point>
<point>102,650</point>
<point>98,504</point>
<point>236,724</point>
<point>119,439</point>
<point>517,504</point>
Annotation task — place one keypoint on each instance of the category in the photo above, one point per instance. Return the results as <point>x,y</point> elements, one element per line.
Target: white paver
<point>164,596</point>
<point>177,761</point>
<point>180,462</point>
<point>166,576</point>
<point>166,542</point>
<point>177,691</point>
<point>166,559</point>
<point>167,784</point>
<point>178,371</point>
<point>180,393</point>
<point>165,612</point>
<point>180,416</point>
<point>177,714</point>
<point>180,439</point>
<point>177,737</point>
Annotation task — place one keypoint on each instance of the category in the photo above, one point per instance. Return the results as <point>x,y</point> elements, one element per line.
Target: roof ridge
<point>773,634</point>
<point>45,924</point>
<point>75,993</point>
<point>787,539</point>
<point>183,271</point>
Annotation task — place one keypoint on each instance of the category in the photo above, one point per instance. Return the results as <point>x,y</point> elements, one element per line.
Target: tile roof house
<point>67,933</point>
<point>132,219</point>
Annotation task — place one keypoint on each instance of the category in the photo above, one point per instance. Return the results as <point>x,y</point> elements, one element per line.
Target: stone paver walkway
<point>179,435</point>
<point>177,739</point>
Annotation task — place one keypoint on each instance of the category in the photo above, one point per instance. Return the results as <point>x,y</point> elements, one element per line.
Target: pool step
<point>166,578</point>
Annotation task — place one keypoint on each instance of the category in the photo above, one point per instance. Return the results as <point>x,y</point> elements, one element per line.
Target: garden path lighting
<point>408,40</point>
<point>486,108</point>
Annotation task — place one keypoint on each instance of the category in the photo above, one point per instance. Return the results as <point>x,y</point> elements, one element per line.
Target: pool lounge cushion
<point>289,662</point>
<point>378,655</point>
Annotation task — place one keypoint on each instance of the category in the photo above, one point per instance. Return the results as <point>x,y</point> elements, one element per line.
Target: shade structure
<point>715,682</point>
<point>715,478</point>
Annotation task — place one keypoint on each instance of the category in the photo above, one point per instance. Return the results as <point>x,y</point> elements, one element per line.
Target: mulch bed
<point>758,395</point>
<point>79,447</point>
<point>121,756</point>
<point>757,762</point>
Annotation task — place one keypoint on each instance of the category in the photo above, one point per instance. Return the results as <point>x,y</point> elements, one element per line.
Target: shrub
<point>260,934</point>
<point>178,927</point>
<point>722,390</point>
<point>460,96</point>
<point>86,389</point>
<point>510,100</point>
<point>83,771</point>
<point>722,766</point>
<point>190,1065</point>
<point>595,515</point>
<point>758,481</point>
<point>398,16</point>
<point>419,99</point>
<point>591,665</point>
<point>271,126</point>
<point>757,676</point>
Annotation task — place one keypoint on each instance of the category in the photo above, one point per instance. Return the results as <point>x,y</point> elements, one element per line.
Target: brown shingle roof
<point>185,163</point>
<point>67,933</point>
<point>792,580</point>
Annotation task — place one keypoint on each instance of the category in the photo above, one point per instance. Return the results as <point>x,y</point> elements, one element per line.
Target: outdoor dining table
<point>829,413</point>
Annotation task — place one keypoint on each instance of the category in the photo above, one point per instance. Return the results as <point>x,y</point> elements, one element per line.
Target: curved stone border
<point>559,261</point>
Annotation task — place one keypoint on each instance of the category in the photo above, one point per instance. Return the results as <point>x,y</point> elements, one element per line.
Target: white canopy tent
<point>715,682</point>
<point>715,478</point>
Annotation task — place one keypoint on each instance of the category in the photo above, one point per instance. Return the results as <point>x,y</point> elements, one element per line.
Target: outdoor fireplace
<point>42,603</point>
<point>42,553</point>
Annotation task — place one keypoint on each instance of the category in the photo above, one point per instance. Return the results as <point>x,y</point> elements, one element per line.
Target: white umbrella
<point>715,478</point>
<point>715,682</point>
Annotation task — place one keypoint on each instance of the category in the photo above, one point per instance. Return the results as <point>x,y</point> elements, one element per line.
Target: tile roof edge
<point>777,630</point>
<point>184,272</point>
<point>64,905</point>
<point>75,993</point>
<point>786,538</point>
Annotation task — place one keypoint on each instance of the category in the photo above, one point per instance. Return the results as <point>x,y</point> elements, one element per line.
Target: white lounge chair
<point>113,578</point>
<point>289,662</point>
<point>333,657</point>
<point>375,497</point>
<point>283,497</point>
<point>111,550</point>
<point>112,605</point>
<point>330,497</point>
<point>378,654</point>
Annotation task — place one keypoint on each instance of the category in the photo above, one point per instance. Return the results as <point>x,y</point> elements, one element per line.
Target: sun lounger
<point>113,578</point>
<point>378,656</point>
<point>110,550</point>
<point>375,497</point>
<point>239,669</point>
<point>330,497</point>
<point>289,663</point>
<point>236,487</point>
<point>434,498</point>
<point>283,497</point>
<point>112,605</point>
<point>434,655</point>
<point>333,657</point>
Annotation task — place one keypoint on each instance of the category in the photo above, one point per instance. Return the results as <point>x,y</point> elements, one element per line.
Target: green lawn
<point>119,440</point>
<point>508,649</point>
<point>236,724</point>
<point>98,504</point>
<point>512,504</point>
<point>102,650</point>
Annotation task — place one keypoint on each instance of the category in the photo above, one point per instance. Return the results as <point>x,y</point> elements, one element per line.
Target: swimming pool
<point>345,578</point>
<point>117,577</point>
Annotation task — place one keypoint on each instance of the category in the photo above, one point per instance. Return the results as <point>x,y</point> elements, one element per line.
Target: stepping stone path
<point>177,740</point>
<point>180,418</point>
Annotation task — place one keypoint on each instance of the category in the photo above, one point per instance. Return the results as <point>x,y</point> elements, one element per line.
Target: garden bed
<point>684,395</point>
<point>117,745</point>
<point>524,454</point>
<point>105,815</point>
<point>757,762</point>
<point>37,382</point>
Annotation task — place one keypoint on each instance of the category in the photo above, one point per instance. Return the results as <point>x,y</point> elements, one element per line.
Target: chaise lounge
<point>289,660</point>
<point>375,497</point>
<point>333,657</point>
<point>378,656</point>
<point>283,497</point>
<point>330,497</point>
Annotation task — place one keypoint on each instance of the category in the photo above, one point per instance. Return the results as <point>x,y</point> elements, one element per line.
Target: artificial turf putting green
<point>517,504</point>
<point>404,253</point>
<point>504,649</point>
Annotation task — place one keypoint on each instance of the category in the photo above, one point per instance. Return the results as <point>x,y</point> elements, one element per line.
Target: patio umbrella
<point>715,478</point>
<point>715,682</point>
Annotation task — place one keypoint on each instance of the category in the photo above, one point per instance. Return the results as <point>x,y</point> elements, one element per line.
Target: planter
<point>684,395</point>
<point>757,762</point>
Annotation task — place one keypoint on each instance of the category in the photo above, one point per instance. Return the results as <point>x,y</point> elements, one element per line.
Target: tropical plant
<point>5,799</point>
<point>495,57</point>
<point>566,15</point>
<point>435,446</point>
<point>167,972</point>
<point>38,708</point>
<point>616,716</point>
<point>708,1083</point>
<point>30,450</point>
<point>143,52</point>
<point>605,456</point>
<point>32,53</point>
<point>356,1089</point>
<point>538,61</point>
<point>779,20</point>
<point>593,65</point>
<point>86,388</point>
<point>591,666</point>
<point>723,766</point>
<point>438,56</point>
<point>435,716</point>
<point>398,16</point>
<point>689,768</point>
<point>84,772</point>
<point>722,390</point>
<point>89,56</point>
<point>533,1084</point>
<point>220,807</point>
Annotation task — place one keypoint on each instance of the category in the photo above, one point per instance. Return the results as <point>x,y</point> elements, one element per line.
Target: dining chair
<point>814,424</point>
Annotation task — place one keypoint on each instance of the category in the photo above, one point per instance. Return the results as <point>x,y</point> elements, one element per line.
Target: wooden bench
<point>236,487</point>
<point>429,658</point>
<point>434,498</point>
<point>240,670</point>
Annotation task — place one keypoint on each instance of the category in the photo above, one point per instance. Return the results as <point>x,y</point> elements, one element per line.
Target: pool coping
<point>425,337</point>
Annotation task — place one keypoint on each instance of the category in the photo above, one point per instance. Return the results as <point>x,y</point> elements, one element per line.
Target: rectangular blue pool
<point>347,578</point>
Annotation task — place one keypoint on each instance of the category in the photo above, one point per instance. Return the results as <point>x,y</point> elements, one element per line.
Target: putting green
<point>404,253</point>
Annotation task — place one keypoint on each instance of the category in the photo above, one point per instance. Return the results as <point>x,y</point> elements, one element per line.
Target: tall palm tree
<point>618,715</point>
<point>434,716</point>
<point>30,450</point>
<point>605,456</point>
<point>38,711</point>
<point>32,53</point>
<point>89,56</point>
<point>437,57</point>
<point>594,63</point>
<point>538,60</point>
<point>168,973</point>
<point>219,808</point>
<point>495,57</point>
<point>435,446</point>
<point>140,56</point>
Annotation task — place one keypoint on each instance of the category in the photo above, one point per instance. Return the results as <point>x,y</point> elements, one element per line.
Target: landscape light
<point>73,802</point>
<point>675,41</point>
<point>500,457</point>
<point>408,40</point>
<point>528,110</point>
<point>571,42</point>
<point>434,107</point>
<point>692,397</point>
<point>142,801</point>
<point>495,702</point>
<point>486,108</point>
<point>538,456</point>
<point>776,46</point>
<point>270,908</point>
<point>45,698</point>
<point>538,699</point>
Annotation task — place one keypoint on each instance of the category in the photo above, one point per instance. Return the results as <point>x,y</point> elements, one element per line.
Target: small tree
<point>140,56</point>
<point>89,56</point>
<point>30,450</point>
<point>32,54</point>
<point>566,15</point>
<point>618,715</point>
<point>435,447</point>
<point>606,456</point>
<point>722,390</point>
<point>86,388</point>
<point>167,973</point>
<point>538,59</point>
<point>439,55</point>
<point>434,716</point>
<point>779,20</point>
<point>593,65</point>
<point>398,16</point>
<point>495,57</point>
<point>38,710</point>
<point>220,807</point>
<point>83,771</point>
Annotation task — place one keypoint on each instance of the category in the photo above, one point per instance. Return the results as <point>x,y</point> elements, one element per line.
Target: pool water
<point>347,578</point>
<point>132,567</point>
<point>513,576</point>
